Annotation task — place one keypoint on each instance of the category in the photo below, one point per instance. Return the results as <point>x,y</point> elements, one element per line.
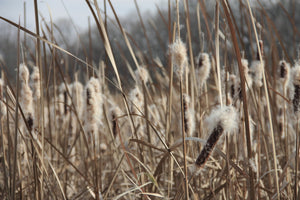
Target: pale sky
<point>78,9</point>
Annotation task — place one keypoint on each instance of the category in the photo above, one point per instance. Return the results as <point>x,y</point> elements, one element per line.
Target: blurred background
<point>75,29</point>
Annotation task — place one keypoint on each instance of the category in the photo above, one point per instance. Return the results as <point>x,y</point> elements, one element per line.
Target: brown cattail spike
<point>200,61</point>
<point>185,108</point>
<point>29,122</point>
<point>283,69</point>
<point>296,99</point>
<point>223,119</point>
<point>88,95</point>
<point>209,146</point>
<point>114,124</point>
<point>65,102</point>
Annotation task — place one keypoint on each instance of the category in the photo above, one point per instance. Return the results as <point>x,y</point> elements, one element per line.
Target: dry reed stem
<point>245,107</point>
<point>16,121</point>
<point>217,43</point>
<point>268,104</point>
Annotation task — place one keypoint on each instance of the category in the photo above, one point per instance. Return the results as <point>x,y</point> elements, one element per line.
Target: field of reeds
<point>219,123</point>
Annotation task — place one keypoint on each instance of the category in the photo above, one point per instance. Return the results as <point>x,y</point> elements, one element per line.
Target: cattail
<point>103,147</point>
<point>189,119</point>
<point>137,100</point>
<point>284,74</point>
<point>296,83</point>
<point>203,68</point>
<point>136,107</point>
<point>257,67</point>
<point>95,82</point>
<point>142,75</point>
<point>91,108</point>
<point>114,113</point>
<point>64,98</point>
<point>179,56</point>
<point>77,92</point>
<point>26,100</point>
<point>23,73</point>
<point>35,83</point>
<point>224,119</point>
<point>248,77</point>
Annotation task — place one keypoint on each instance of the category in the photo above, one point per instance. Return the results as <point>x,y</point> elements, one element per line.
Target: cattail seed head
<point>189,119</point>
<point>137,99</point>
<point>114,113</point>
<point>142,75</point>
<point>35,82</point>
<point>224,119</point>
<point>23,73</point>
<point>179,56</point>
<point>246,72</point>
<point>26,100</point>
<point>77,92</point>
<point>284,70</point>
<point>226,116</point>
<point>91,108</point>
<point>203,68</point>
<point>256,70</point>
<point>296,83</point>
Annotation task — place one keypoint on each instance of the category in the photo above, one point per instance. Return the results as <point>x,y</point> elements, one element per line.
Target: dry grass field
<point>221,123</point>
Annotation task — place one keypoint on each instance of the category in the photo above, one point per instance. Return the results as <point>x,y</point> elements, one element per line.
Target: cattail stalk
<point>218,52</point>
<point>268,103</point>
<point>223,119</point>
<point>179,58</point>
<point>183,140</point>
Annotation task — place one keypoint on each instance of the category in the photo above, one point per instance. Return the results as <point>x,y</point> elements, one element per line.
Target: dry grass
<point>83,141</point>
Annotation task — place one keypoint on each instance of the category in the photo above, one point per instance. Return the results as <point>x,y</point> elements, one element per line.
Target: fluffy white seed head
<point>103,147</point>
<point>23,73</point>
<point>26,100</point>
<point>91,108</point>
<point>35,82</point>
<point>142,75</point>
<point>77,93</point>
<point>252,164</point>
<point>96,84</point>
<point>189,116</point>
<point>226,116</point>
<point>246,72</point>
<point>179,56</point>
<point>203,68</point>
<point>137,100</point>
<point>256,70</point>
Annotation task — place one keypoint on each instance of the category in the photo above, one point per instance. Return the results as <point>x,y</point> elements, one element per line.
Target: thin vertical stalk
<point>41,100</point>
<point>178,18</point>
<point>244,95</point>
<point>16,120</point>
<point>169,109</point>
<point>296,161</point>
<point>268,103</point>
<point>183,143</point>
<point>217,43</point>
